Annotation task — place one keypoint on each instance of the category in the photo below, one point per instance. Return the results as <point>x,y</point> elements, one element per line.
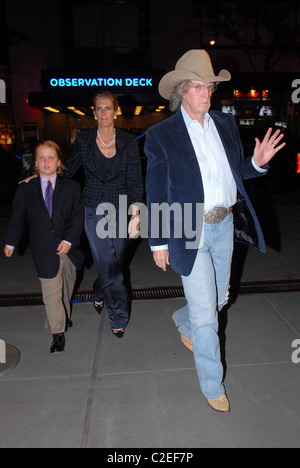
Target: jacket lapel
<point>181,138</point>
<point>91,151</point>
<point>57,195</point>
<point>225,133</point>
<point>120,143</point>
<point>37,188</point>
<point>120,147</point>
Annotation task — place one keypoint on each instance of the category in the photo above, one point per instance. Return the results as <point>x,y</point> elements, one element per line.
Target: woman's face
<point>104,112</point>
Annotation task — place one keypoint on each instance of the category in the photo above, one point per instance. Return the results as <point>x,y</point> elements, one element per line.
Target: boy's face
<point>47,161</point>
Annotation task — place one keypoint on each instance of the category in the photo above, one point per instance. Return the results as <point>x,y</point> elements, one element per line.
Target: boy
<point>52,206</point>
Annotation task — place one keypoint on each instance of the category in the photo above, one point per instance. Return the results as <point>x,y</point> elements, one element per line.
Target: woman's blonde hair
<point>108,95</point>
<point>53,145</point>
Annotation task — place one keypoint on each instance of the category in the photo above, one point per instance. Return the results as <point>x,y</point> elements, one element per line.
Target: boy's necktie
<point>49,198</point>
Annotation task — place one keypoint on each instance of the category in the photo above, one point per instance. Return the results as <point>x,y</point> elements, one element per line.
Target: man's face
<point>197,100</point>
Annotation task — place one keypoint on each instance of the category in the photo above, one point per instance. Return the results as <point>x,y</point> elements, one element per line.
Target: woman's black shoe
<point>119,333</point>
<point>99,307</point>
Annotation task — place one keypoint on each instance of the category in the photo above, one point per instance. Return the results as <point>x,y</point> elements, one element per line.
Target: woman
<point>112,166</point>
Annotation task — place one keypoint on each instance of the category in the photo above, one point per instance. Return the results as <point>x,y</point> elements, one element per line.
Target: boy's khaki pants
<point>57,293</point>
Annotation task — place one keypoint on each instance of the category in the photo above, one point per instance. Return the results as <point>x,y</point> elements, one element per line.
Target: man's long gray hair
<point>176,97</point>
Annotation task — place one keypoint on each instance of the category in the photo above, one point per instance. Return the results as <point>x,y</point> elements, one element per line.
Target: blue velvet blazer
<point>174,176</point>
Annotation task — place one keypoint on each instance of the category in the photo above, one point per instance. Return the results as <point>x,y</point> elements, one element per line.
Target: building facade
<point>56,55</point>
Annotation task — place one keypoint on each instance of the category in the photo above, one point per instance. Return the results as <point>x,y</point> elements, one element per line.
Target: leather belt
<point>216,215</point>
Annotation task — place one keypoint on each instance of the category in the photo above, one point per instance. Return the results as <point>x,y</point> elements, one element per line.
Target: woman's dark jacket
<point>126,177</point>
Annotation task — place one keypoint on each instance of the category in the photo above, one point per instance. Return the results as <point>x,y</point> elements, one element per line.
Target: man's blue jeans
<point>207,291</point>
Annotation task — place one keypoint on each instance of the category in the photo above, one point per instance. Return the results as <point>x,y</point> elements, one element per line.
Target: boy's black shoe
<point>58,345</point>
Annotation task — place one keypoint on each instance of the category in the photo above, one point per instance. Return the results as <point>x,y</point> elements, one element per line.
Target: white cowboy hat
<point>194,65</point>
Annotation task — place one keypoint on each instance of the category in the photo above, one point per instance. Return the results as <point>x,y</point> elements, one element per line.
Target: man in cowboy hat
<point>196,159</point>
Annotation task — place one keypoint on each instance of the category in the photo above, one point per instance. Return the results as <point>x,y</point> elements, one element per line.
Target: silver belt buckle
<point>215,215</point>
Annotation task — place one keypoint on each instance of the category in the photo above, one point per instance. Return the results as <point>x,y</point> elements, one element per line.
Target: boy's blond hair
<point>53,145</point>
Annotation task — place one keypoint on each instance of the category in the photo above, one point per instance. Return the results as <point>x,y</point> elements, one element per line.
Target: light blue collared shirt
<point>218,183</point>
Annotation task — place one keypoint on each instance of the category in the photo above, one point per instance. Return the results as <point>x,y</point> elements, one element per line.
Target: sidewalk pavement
<point>143,391</point>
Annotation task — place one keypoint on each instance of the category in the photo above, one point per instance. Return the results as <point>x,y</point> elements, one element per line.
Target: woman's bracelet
<point>137,218</point>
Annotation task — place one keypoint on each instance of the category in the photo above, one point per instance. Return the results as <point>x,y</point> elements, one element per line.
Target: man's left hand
<point>266,150</point>
<point>63,248</point>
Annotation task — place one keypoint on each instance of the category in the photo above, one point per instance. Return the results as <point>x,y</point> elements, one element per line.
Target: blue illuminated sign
<point>101,82</point>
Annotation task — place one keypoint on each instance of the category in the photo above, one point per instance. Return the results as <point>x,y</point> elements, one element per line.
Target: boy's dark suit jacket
<point>46,233</point>
<point>174,176</point>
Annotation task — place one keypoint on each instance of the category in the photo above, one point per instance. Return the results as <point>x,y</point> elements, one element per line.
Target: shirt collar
<point>44,180</point>
<point>188,119</point>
